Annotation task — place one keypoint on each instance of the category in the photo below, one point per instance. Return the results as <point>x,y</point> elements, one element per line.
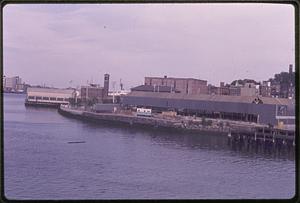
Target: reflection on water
<point>113,162</point>
<point>201,141</point>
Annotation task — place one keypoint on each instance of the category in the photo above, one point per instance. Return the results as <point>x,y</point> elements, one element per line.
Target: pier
<point>237,132</point>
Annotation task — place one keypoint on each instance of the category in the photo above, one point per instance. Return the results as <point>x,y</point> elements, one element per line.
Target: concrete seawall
<point>141,121</point>
<point>234,130</point>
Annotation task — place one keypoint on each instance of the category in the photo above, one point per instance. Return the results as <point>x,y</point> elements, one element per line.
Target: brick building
<point>184,85</point>
<point>92,93</point>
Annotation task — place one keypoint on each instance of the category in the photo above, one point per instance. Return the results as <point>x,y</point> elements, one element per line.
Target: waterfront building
<point>12,84</point>
<point>184,85</point>
<point>255,109</point>
<point>49,96</point>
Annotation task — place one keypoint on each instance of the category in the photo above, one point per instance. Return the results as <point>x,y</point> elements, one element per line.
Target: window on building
<point>66,99</point>
<point>31,97</point>
<point>45,98</point>
<point>60,99</point>
<point>38,97</point>
<point>53,98</point>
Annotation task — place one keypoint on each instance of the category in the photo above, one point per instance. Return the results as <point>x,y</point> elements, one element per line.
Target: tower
<point>106,84</point>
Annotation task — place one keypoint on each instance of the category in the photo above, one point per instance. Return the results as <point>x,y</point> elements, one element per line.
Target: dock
<point>235,131</point>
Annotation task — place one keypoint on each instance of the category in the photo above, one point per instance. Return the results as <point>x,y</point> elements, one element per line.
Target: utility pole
<point>114,83</point>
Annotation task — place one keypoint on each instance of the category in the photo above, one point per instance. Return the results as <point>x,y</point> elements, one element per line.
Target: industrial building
<point>91,93</point>
<point>248,89</point>
<point>255,109</point>
<point>183,85</point>
<point>94,92</point>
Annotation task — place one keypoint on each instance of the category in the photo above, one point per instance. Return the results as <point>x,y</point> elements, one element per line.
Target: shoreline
<point>109,120</point>
<point>235,130</point>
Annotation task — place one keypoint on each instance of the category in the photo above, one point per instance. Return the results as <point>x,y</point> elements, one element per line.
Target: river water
<point>127,163</point>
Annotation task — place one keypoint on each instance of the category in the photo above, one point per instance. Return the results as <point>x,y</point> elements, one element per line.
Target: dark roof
<point>217,98</point>
<point>174,78</point>
<point>150,88</point>
<point>50,90</point>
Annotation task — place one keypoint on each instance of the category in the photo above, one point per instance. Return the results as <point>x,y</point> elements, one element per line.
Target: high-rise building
<point>12,83</point>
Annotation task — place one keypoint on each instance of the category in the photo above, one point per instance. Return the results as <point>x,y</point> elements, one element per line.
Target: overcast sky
<point>54,44</point>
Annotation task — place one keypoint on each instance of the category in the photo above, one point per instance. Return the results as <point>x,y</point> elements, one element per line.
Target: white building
<point>51,96</point>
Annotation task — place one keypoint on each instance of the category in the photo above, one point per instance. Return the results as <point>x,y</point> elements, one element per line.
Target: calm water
<point>118,163</point>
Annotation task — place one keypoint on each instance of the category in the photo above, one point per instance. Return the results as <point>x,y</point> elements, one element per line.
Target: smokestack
<point>290,68</point>
<point>106,84</point>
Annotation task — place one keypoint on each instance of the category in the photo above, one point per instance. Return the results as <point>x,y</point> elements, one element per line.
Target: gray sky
<point>54,44</point>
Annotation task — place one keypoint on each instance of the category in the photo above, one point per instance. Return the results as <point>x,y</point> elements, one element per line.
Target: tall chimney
<point>106,84</point>
<point>290,68</point>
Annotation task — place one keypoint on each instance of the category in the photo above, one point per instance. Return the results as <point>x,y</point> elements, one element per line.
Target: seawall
<point>234,130</point>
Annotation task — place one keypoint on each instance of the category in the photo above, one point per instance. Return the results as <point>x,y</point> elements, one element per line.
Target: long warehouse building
<point>244,108</point>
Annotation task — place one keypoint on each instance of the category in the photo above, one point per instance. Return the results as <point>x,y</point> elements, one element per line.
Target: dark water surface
<point>118,163</point>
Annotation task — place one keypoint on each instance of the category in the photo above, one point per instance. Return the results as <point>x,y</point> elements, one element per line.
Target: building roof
<point>216,98</point>
<point>176,78</point>
<point>92,87</point>
<point>50,90</point>
<point>150,88</point>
